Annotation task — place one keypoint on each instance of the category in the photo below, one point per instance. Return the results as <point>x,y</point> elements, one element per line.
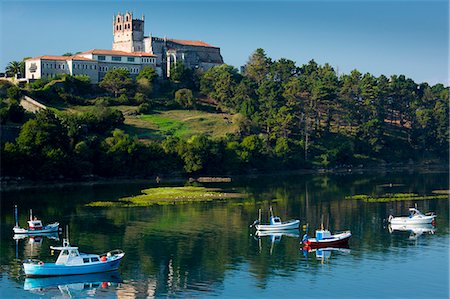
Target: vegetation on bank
<point>274,116</point>
<point>388,197</point>
<point>168,196</point>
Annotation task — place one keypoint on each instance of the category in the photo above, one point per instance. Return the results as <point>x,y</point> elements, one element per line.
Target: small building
<point>94,63</point>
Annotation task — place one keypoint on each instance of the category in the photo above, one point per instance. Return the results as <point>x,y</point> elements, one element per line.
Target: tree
<point>283,69</point>
<point>15,68</point>
<point>258,66</point>
<point>184,97</point>
<point>218,83</point>
<point>117,81</point>
<point>148,73</point>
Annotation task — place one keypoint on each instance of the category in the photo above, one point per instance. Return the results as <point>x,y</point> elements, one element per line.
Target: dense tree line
<point>289,117</point>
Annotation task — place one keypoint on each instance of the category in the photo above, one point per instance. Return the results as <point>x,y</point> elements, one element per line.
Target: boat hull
<point>52,269</point>
<point>339,240</point>
<point>293,224</point>
<point>411,221</point>
<point>51,228</point>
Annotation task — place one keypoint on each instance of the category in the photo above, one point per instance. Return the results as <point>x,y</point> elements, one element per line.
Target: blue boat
<point>71,262</point>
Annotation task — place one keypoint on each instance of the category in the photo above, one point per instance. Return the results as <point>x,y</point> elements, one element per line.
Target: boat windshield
<point>275,220</point>
<point>413,212</point>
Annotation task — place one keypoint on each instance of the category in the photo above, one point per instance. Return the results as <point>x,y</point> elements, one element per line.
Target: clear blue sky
<point>380,37</point>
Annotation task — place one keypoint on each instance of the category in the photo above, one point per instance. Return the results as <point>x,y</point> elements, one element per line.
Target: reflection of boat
<point>415,217</point>
<point>416,230</point>
<point>37,238</point>
<point>294,233</point>
<point>72,280</point>
<point>275,223</point>
<point>324,238</point>
<point>71,262</point>
<point>35,226</point>
<point>275,236</point>
<point>325,253</point>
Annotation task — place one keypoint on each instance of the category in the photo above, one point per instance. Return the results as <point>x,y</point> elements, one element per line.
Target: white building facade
<point>94,64</point>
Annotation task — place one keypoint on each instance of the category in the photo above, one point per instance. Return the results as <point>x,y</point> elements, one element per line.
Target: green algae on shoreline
<point>388,197</point>
<point>168,196</point>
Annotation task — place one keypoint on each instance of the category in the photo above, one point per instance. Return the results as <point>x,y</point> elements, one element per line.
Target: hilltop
<point>275,116</point>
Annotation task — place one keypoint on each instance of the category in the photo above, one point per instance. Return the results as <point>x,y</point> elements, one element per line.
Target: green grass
<point>179,123</point>
<point>168,196</point>
<point>388,197</point>
<point>161,124</point>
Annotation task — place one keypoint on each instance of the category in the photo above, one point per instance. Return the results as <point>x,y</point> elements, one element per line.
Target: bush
<point>184,97</point>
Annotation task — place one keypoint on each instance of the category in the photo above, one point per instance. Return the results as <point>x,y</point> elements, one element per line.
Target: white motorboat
<point>415,217</point>
<point>35,226</point>
<point>275,223</point>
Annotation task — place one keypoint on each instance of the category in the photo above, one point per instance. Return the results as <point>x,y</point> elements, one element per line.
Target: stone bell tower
<point>128,33</point>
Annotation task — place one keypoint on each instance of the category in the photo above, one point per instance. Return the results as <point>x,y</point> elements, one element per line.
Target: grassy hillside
<point>180,123</point>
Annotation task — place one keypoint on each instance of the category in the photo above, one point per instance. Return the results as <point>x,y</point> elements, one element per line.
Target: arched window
<point>120,27</point>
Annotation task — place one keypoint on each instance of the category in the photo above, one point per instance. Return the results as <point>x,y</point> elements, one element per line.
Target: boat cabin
<point>71,256</point>
<point>322,234</point>
<point>275,220</point>
<point>35,224</point>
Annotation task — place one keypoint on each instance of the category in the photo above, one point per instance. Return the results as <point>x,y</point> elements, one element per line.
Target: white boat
<point>71,262</point>
<point>35,226</point>
<point>275,223</point>
<point>415,217</point>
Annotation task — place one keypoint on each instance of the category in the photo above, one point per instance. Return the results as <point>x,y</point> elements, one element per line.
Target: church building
<point>131,50</point>
<point>129,37</point>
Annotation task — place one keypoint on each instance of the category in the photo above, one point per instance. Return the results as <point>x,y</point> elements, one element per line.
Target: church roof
<point>121,53</point>
<point>196,43</point>
<point>55,57</point>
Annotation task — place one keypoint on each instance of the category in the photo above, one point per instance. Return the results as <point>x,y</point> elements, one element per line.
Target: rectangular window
<point>130,59</point>
<point>85,260</point>
<point>94,259</point>
<point>116,58</point>
<point>101,57</point>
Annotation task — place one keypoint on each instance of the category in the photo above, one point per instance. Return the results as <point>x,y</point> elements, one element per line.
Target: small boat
<point>415,217</point>
<point>275,223</point>
<point>35,226</point>
<point>324,238</point>
<point>72,262</point>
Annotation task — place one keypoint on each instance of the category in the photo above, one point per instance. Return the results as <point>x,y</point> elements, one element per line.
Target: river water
<point>208,249</point>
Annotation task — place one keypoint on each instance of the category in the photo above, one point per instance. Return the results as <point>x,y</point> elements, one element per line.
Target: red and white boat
<point>324,238</point>
<point>35,226</point>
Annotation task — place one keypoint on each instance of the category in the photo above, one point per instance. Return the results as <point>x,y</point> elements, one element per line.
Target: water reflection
<point>205,249</point>
<point>324,254</point>
<point>73,286</point>
<point>415,230</point>
<point>275,237</point>
<point>33,246</point>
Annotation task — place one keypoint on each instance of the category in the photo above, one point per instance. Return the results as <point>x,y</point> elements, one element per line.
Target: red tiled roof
<point>197,43</point>
<point>54,57</point>
<point>114,52</point>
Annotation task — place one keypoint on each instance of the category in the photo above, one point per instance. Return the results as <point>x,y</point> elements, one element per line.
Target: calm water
<point>208,249</point>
